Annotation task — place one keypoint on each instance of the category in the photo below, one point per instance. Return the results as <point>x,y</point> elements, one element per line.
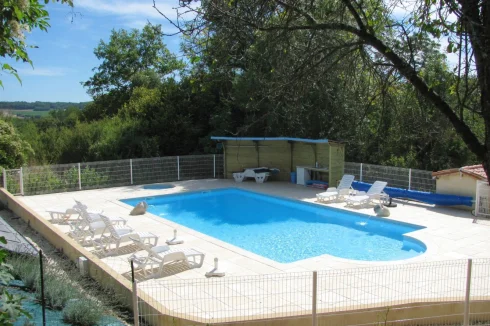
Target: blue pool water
<point>286,230</point>
<point>157,186</point>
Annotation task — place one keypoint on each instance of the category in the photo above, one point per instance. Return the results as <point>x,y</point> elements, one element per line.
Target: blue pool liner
<point>423,196</point>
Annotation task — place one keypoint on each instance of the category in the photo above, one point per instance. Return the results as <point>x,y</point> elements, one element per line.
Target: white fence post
<point>4,173</point>
<point>360,174</point>
<point>409,178</point>
<point>466,321</point>
<point>21,181</point>
<point>131,169</point>
<point>214,166</point>
<point>178,168</point>
<point>136,313</point>
<point>314,299</point>
<point>79,178</point>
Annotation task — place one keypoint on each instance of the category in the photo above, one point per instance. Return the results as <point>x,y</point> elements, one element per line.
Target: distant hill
<point>40,106</point>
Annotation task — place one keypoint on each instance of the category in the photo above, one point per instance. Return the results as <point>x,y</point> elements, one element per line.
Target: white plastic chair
<point>116,235</point>
<point>94,217</point>
<point>334,193</point>
<point>364,198</point>
<point>161,257</point>
<point>61,216</point>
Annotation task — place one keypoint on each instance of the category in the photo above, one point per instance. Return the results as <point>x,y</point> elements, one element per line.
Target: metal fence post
<point>214,166</point>
<point>409,178</point>
<point>4,173</point>
<point>314,296</point>
<point>43,301</point>
<point>360,174</point>
<point>135,297</point>
<point>131,169</point>
<point>467,296</point>
<point>178,168</point>
<point>79,178</point>
<point>21,181</point>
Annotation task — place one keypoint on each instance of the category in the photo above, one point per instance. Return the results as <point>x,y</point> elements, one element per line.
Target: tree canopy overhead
<point>390,44</point>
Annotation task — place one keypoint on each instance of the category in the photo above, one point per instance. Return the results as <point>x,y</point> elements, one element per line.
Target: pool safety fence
<point>429,293</point>
<point>411,179</point>
<point>36,180</point>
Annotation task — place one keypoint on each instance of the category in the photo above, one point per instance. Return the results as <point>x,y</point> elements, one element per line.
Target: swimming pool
<point>286,230</point>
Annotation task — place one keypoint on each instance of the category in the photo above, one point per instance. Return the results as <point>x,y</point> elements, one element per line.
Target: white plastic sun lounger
<point>60,215</point>
<point>85,232</point>
<point>364,198</point>
<point>334,193</point>
<point>162,257</point>
<point>116,236</point>
<point>90,217</point>
<point>259,174</point>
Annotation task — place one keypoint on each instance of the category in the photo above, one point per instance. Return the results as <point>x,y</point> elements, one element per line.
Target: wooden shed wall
<point>303,154</point>
<point>239,155</point>
<point>276,154</point>
<point>336,163</point>
<point>242,154</point>
<point>323,154</point>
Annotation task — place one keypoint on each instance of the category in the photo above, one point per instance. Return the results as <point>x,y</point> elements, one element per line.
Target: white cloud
<point>44,71</point>
<point>143,9</point>
<point>403,9</point>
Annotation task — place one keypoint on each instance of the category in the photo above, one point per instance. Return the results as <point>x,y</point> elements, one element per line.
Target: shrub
<point>84,312</point>
<point>41,180</point>
<point>58,287</point>
<point>26,269</point>
<point>58,290</point>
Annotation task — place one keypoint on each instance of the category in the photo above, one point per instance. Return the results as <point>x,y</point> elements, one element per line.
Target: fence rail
<point>411,179</point>
<point>91,175</point>
<point>36,180</point>
<point>435,293</point>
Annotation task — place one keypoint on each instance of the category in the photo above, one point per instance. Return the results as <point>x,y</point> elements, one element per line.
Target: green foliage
<point>130,59</point>
<point>26,269</point>
<point>82,312</point>
<point>58,289</point>
<point>10,304</point>
<point>245,82</point>
<point>40,106</point>
<point>61,291</point>
<point>88,176</point>
<point>13,150</point>
<point>11,308</point>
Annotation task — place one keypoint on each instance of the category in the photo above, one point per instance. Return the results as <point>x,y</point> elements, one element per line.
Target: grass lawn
<point>29,113</point>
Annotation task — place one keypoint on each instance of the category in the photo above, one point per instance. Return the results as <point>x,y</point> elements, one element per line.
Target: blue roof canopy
<point>303,140</point>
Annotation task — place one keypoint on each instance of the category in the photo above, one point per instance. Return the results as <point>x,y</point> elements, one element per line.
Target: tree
<point>16,18</point>
<point>129,59</point>
<point>13,150</point>
<point>386,41</point>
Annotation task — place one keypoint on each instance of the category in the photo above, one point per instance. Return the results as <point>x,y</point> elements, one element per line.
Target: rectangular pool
<point>286,230</point>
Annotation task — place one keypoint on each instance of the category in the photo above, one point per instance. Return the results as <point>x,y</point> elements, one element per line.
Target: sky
<point>65,57</point>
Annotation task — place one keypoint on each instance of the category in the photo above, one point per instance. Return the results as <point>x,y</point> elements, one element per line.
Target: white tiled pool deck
<point>450,234</point>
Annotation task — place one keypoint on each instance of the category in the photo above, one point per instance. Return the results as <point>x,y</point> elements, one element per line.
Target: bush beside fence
<point>92,175</point>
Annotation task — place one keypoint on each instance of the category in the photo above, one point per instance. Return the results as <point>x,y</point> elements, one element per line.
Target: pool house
<point>308,159</point>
